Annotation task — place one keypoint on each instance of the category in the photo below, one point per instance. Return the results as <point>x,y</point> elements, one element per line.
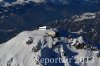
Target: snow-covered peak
<point>1,0</point>
<point>58,2</point>
<point>78,40</point>
<point>39,1</point>
<point>85,16</point>
<point>14,2</point>
<point>29,47</point>
<point>36,1</point>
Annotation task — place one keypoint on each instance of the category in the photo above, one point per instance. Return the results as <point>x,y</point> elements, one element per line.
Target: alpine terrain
<point>70,35</point>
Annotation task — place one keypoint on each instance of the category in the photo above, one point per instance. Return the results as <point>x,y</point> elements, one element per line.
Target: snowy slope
<point>29,46</point>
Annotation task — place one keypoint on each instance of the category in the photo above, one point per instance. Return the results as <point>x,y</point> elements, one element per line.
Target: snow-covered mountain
<point>57,2</point>
<point>32,15</point>
<point>85,24</point>
<point>81,18</point>
<point>85,16</point>
<point>29,47</point>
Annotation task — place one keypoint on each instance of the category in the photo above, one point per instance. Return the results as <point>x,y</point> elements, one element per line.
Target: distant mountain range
<point>28,16</point>
<point>57,2</point>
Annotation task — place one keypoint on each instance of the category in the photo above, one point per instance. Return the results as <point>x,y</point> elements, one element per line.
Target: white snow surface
<point>16,52</point>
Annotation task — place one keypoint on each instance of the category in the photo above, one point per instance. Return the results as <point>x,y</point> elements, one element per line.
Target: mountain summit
<point>29,47</point>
